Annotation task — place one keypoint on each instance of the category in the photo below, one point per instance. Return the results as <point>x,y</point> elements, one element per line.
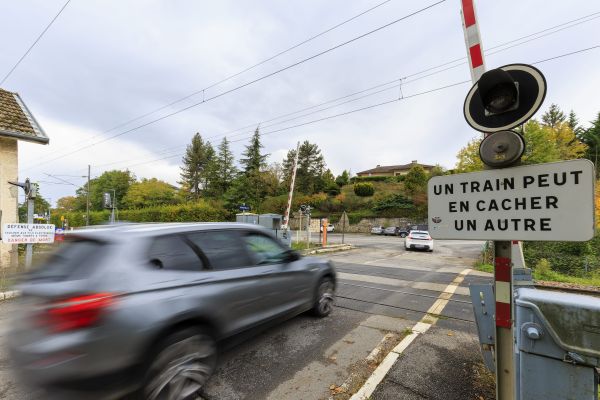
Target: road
<point>383,290</point>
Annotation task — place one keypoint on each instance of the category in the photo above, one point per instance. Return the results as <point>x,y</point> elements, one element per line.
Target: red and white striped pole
<point>504,354</point>
<point>286,217</point>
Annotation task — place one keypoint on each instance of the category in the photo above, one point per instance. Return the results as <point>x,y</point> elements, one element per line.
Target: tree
<point>116,180</point>
<point>40,206</point>
<point>343,179</point>
<point>591,137</point>
<point>68,203</point>
<point>416,180</point>
<point>553,116</point>
<point>148,193</point>
<point>437,170</point>
<point>249,187</point>
<point>196,168</point>
<point>543,144</point>
<point>310,175</point>
<point>224,169</point>
<point>253,160</point>
<point>468,157</point>
<point>573,123</point>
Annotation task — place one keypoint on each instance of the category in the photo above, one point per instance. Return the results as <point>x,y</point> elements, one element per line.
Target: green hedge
<point>190,212</point>
<point>357,179</point>
<point>569,258</point>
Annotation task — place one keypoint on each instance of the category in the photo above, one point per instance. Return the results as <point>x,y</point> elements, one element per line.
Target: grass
<point>553,276</point>
<point>303,246</point>
<point>480,266</point>
<point>543,272</point>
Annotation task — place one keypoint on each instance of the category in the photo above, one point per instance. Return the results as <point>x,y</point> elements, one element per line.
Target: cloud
<point>103,63</point>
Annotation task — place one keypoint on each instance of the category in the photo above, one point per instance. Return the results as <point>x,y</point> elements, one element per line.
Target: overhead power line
<point>227,78</point>
<point>381,103</point>
<point>351,111</point>
<point>34,43</point>
<point>241,86</point>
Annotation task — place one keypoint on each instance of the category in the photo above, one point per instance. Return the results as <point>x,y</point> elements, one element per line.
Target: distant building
<point>393,170</point>
<point>16,123</point>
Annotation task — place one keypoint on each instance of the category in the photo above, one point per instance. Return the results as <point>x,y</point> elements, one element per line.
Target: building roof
<point>391,168</point>
<point>16,121</point>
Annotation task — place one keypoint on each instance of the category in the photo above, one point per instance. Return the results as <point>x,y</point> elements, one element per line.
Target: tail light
<point>410,236</point>
<point>77,312</point>
<point>428,238</point>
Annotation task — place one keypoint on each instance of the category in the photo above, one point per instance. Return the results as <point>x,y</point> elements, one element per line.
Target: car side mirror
<point>292,256</point>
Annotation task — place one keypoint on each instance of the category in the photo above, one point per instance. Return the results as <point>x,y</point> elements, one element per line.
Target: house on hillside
<point>16,123</point>
<point>393,170</point>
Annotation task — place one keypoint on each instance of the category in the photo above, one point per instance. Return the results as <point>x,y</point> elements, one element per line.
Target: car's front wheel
<point>324,300</point>
<point>182,365</point>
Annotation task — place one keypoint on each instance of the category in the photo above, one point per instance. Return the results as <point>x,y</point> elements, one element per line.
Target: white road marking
<point>420,328</point>
<point>436,287</point>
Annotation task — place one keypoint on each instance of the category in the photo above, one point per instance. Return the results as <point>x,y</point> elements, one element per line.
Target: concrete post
<point>8,196</point>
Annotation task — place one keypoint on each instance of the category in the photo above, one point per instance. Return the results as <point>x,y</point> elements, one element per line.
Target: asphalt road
<point>382,288</point>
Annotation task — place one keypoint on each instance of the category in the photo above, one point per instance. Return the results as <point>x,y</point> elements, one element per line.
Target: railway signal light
<point>504,98</point>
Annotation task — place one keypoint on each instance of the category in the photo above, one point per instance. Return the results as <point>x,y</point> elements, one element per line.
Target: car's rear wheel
<point>402,235</point>
<point>324,300</point>
<point>182,365</point>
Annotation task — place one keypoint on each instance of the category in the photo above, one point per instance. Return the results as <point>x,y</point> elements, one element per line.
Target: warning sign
<point>553,201</point>
<point>27,233</point>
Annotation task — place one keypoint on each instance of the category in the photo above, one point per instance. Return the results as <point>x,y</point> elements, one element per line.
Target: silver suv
<point>141,309</point>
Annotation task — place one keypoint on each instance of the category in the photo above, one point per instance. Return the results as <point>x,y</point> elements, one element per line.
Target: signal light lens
<point>498,91</point>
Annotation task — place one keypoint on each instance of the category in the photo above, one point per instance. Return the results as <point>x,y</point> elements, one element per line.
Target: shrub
<point>396,201</point>
<point>364,189</point>
<point>543,269</point>
<point>190,212</point>
<point>568,258</point>
<point>358,179</point>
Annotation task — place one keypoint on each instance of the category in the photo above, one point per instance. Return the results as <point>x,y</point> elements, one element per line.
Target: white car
<point>418,240</point>
<point>330,228</point>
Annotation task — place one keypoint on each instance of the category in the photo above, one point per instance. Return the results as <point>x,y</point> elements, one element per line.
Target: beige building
<point>16,123</point>
<point>393,170</point>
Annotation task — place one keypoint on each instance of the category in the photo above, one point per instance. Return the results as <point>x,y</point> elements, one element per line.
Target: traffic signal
<point>502,99</point>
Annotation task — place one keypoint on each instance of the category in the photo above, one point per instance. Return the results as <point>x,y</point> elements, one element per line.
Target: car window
<point>74,259</point>
<point>173,253</point>
<point>223,249</point>
<point>264,249</point>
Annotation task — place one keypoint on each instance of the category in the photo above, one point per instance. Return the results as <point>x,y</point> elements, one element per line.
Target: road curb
<point>329,249</point>
<point>11,294</point>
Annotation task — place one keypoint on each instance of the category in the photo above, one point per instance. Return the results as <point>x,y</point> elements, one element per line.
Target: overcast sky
<point>106,62</point>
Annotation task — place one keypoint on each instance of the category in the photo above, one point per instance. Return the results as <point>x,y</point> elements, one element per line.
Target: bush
<point>190,212</point>
<point>542,269</point>
<point>358,179</point>
<point>568,258</point>
<point>395,201</point>
<point>364,189</point>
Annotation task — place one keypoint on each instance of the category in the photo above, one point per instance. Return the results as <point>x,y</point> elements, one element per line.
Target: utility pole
<point>114,200</point>
<point>87,201</point>
<point>286,217</point>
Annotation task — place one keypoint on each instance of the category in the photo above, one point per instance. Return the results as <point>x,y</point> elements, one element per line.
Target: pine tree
<point>591,137</point>
<point>573,123</point>
<point>553,116</point>
<point>195,168</point>
<point>310,176</point>
<point>253,160</point>
<point>225,170</point>
<point>250,184</point>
